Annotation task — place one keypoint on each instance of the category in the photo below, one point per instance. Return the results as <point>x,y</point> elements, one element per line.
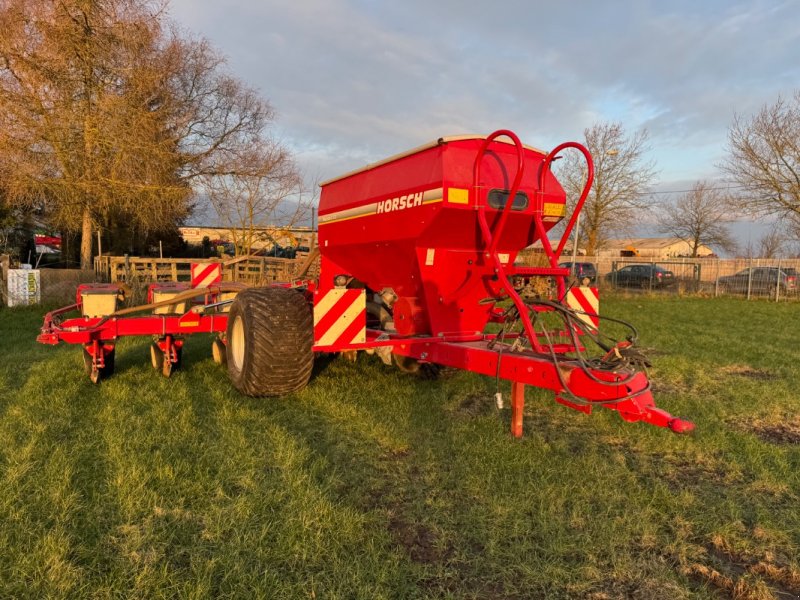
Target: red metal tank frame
<point>574,385</point>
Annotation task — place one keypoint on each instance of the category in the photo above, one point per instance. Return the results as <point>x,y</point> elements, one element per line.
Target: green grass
<point>375,484</point>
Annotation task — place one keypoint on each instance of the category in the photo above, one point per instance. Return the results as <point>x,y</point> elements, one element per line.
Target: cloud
<point>356,80</point>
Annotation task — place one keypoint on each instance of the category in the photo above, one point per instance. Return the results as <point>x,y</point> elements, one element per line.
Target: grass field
<point>375,484</point>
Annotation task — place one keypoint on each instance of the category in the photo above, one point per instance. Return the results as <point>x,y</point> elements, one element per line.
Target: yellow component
<point>458,196</point>
<point>99,303</point>
<point>170,309</point>
<point>554,209</point>
<point>226,296</point>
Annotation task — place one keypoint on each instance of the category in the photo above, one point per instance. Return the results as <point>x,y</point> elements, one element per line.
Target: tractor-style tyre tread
<point>278,340</point>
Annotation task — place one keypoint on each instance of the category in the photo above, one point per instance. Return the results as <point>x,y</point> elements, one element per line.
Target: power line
<point>728,187</point>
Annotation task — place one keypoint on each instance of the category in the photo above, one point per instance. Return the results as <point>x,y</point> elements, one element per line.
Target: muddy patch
<point>742,576</point>
<point>778,433</point>
<point>782,432</point>
<point>475,405</point>
<point>419,541</point>
<point>698,472</point>
<point>748,372</point>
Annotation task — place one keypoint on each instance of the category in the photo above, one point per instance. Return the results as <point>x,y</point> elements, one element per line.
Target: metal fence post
<point>778,282</point>
<point>749,278</point>
<point>716,282</point>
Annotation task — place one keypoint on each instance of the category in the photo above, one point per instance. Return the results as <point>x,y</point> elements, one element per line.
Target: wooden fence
<point>255,270</point>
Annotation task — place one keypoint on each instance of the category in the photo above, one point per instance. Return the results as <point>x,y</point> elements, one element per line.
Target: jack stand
<point>517,408</point>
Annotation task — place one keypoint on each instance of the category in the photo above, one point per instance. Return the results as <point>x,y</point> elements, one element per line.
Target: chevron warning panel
<point>340,318</point>
<point>205,274</point>
<point>585,300</point>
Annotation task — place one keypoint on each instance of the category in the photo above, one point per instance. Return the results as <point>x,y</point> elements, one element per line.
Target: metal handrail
<point>492,238</point>
<point>555,255</point>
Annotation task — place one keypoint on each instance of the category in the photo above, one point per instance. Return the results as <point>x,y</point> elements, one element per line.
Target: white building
<point>660,248</point>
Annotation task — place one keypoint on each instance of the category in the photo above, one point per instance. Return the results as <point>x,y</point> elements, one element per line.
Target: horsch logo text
<point>400,203</point>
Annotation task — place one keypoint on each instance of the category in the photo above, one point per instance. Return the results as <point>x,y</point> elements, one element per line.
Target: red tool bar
<point>632,399</point>
<point>82,330</point>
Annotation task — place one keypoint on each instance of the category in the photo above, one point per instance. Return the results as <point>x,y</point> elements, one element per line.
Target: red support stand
<point>517,407</point>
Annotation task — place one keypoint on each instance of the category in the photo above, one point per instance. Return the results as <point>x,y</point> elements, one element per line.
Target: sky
<point>354,81</point>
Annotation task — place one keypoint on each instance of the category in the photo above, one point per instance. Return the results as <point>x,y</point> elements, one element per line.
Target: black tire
<point>270,337</point>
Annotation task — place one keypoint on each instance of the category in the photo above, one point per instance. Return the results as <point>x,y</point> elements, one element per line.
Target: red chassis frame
<point>98,335</point>
<point>572,387</point>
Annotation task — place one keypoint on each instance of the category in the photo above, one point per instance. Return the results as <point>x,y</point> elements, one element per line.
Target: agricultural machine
<point>417,265</point>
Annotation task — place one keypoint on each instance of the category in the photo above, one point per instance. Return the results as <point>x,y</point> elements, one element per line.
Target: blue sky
<point>356,80</point>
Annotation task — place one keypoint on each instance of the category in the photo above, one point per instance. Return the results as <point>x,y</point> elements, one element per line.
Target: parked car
<point>760,280</point>
<point>581,271</point>
<point>642,276</point>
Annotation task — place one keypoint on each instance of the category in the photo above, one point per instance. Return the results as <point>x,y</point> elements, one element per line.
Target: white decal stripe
<point>432,195</point>
<point>350,213</point>
<point>213,274</point>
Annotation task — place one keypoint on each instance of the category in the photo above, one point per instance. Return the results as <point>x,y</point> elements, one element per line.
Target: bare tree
<point>621,177</point>
<point>773,243</point>
<point>108,113</point>
<point>764,159</point>
<point>699,217</point>
<point>264,191</point>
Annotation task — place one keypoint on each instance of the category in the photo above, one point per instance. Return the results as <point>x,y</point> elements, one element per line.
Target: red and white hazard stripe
<point>586,301</point>
<point>206,274</point>
<point>340,318</point>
